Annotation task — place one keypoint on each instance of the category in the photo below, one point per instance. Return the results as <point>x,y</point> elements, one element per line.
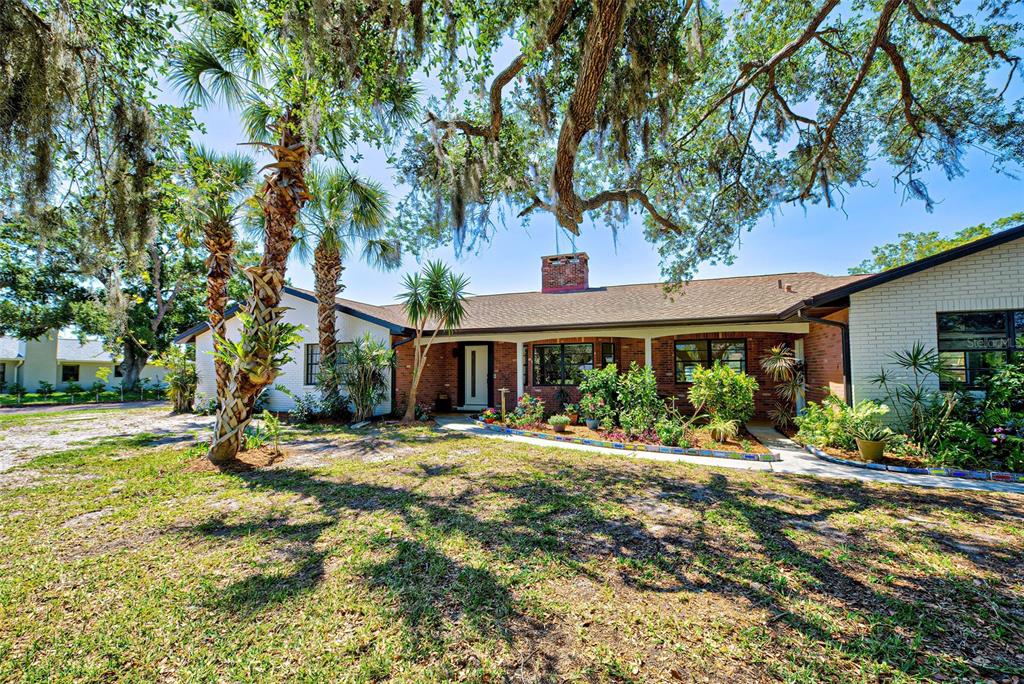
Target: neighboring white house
<point>967,303</point>
<point>58,361</point>
<point>298,375</point>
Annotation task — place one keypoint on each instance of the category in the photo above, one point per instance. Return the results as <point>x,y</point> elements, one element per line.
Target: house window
<point>312,363</point>
<point>693,353</point>
<point>3,376</point>
<point>972,344</point>
<point>607,353</point>
<point>561,364</point>
<point>69,373</point>
<point>118,373</point>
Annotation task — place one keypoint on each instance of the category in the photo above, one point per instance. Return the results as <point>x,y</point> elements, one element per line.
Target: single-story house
<point>967,302</point>
<point>58,361</point>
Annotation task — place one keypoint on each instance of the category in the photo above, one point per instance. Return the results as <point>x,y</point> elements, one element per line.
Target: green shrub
<point>603,384</point>
<point>558,419</point>
<point>181,377</point>
<point>640,407</point>
<point>594,407</point>
<point>73,388</point>
<point>723,392</point>
<point>528,411</point>
<point>670,432</point>
<point>723,429</point>
<point>365,370</point>
<point>832,423</point>
<point>45,388</point>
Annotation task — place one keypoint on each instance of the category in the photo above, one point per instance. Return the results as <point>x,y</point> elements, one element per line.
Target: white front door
<point>475,376</point>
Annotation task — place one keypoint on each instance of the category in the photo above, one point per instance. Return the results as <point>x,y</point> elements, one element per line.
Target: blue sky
<point>795,239</point>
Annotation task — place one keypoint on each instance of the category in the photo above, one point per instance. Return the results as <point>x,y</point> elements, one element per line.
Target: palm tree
<point>345,210</point>
<point>230,58</point>
<point>437,297</point>
<point>219,185</point>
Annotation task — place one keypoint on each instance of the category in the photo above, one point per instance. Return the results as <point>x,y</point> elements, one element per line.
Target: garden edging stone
<point>993,475</point>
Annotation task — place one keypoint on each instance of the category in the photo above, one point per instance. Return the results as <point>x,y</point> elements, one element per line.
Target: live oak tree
<point>345,213</point>
<point>914,246</point>
<point>701,117</point>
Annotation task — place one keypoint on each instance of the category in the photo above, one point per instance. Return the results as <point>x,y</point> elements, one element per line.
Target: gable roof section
<point>892,274</point>
<point>373,314</point>
<point>736,299</point>
<point>11,349</point>
<point>70,349</point>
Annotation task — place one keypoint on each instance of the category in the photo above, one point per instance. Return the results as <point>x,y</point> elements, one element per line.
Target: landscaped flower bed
<point>952,433</point>
<point>758,452</point>
<point>632,416</point>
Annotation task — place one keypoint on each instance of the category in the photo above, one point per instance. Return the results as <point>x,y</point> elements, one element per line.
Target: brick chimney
<point>564,272</point>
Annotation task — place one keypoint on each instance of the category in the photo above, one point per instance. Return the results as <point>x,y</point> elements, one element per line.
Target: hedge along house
<point>967,303</point>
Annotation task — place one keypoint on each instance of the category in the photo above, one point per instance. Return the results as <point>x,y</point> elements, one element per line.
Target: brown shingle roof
<point>736,298</point>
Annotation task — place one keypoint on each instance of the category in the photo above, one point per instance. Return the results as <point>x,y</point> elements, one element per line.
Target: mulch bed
<point>887,459</point>
<point>699,439</point>
<point>253,459</point>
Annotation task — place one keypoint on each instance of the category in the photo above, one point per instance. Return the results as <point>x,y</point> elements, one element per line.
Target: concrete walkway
<point>794,461</point>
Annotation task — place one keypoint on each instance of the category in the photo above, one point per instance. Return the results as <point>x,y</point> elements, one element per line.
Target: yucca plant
<point>434,297</point>
<point>786,371</point>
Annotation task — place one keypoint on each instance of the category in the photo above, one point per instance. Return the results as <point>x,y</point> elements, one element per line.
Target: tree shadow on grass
<point>662,536</point>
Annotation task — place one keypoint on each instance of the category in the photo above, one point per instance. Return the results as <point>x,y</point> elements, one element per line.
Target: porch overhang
<point>639,332</point>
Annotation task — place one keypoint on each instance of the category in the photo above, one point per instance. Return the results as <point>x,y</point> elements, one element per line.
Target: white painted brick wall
<point>301,312</point>
<point>889,318</point>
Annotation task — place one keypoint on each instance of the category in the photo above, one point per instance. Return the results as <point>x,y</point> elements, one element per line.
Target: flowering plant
<point>489,415</point>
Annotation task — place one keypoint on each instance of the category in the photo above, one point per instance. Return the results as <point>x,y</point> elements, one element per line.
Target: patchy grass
<point>412,555</point>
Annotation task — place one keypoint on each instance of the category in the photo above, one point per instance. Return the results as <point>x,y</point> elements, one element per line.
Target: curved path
<point>794,461</point>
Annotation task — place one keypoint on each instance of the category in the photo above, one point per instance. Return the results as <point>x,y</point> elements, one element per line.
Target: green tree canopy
<point>704,116</point>
<point>915,246</point>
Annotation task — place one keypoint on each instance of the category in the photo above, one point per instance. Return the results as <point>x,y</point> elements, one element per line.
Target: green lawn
<point>431,556</point>
<point>35,399</point>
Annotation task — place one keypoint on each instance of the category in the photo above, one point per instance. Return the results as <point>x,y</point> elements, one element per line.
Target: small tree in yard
<point>181,377</point>
<point>436,296</point>
<point>364,365</point>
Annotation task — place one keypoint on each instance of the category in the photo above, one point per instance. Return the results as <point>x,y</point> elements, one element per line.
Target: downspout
<point>394,375</point>
<point>845,333</point>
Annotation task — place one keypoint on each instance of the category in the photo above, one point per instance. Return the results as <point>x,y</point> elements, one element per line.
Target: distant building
<point>58,360</point>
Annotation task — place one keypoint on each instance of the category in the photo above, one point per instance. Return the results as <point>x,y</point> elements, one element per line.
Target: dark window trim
<point>707,352</point>
<point>561,361</point>
<point>308,376</point>
<point>78,372</point>
<point>1012,348</point>
<point>605,354</point>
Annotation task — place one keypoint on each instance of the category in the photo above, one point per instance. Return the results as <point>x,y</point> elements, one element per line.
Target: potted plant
<point>592,407</point>
<point>489,416</point>
<point>572,411</point>
<point>871,438</point>
<point>558,422</point>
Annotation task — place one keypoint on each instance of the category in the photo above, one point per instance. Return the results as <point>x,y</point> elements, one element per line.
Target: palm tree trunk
<point>219,240</point>
<point>282,198</point>
<point>327,272</point>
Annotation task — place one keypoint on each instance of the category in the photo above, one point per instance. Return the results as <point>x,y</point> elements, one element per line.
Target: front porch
<point>469,371</point>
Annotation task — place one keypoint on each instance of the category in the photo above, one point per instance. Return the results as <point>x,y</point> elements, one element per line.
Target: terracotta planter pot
<point>870,451</point>
<point>558,428</point>
<point>489,421</point>
<point>574,418</point>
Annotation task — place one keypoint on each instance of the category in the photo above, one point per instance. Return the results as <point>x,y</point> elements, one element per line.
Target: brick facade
<point>758,344</point>
<point>444,367</point>
<point>564,272</point>
<point>823,358</point>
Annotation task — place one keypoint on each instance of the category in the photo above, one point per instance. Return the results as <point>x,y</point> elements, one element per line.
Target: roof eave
<point>953,254</point>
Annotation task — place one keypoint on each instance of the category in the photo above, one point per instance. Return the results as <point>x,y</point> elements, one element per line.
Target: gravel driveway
<point>60,430</point>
